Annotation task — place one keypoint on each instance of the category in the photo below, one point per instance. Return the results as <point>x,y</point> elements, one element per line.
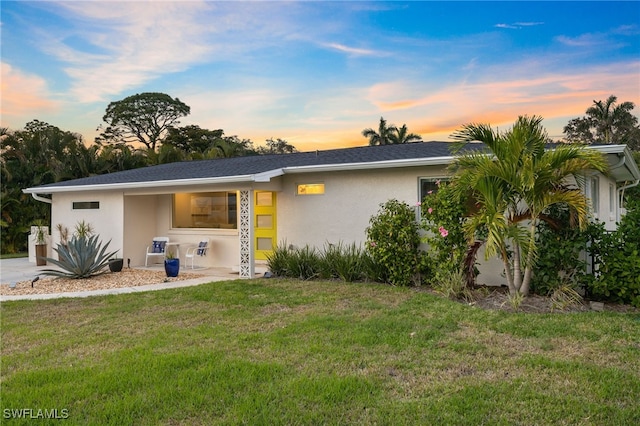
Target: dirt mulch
<point>109,280</point>
<point>498,299</point>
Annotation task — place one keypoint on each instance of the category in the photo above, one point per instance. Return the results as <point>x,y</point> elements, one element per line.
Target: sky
<point>317,73</point>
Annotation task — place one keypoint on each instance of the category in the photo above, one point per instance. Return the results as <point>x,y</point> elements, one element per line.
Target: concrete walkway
<point>16,270</point>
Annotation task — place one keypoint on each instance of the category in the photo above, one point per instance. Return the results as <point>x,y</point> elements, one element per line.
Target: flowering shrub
<point>393,242</point>
<point>443,214</point>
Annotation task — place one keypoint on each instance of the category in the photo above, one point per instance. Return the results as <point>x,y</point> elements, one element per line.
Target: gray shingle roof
<point>251,165</point>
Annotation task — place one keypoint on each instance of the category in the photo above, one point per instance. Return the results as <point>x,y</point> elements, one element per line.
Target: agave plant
<point>82,257</point>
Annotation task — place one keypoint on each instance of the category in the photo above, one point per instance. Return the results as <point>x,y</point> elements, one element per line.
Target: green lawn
<point>289,352</point>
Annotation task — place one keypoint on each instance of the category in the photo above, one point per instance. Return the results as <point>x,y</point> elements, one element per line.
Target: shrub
<point>443,213</point>
<point>347,262</point>
<point>393,243</point>
<point>453,285</point>
<point>560,260</point>
<point>303,263</point>
<point>278,260</point>
<point>336,261</point>
<point>82,257</point>
<point>616,258</point>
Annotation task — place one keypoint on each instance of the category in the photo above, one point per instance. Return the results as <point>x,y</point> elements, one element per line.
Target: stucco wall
<point>107,221</point>
<point>140,218</point>
<point>342,213</point>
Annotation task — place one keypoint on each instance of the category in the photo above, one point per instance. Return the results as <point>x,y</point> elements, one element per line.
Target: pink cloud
<point>23,95</point>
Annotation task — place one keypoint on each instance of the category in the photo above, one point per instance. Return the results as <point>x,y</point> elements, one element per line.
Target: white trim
<point>413,162</point>
<point>141,185</point>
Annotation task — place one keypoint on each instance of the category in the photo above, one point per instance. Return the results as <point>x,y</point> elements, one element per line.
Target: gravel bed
<point>125,278</point>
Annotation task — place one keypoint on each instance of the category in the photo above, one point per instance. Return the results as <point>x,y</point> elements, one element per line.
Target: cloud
<point>352,50</point>
<point>434,112</point>
<point>518,25</point>
<point>127,47</point>
<point>609,39</point>
<point>23,94</point>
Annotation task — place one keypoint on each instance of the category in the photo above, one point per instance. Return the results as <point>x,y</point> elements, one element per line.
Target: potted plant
<point>83,229</point>
<point>41,245</point>
<point>171,265</point>
<point>115,264</point>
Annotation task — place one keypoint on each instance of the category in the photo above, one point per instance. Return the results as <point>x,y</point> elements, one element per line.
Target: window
<point>428,186</point>
<point>310,189</point>
<point>612,201</point>
<point>86,205</point>
<point>205,210</point>
<point>594,194</point>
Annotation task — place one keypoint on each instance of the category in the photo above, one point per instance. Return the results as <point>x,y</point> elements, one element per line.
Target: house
<point>247,205</point>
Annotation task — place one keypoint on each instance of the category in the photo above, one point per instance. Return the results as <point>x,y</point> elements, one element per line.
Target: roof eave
<point>629,164</point>
<point>139,185</point>
<point>413,162</point>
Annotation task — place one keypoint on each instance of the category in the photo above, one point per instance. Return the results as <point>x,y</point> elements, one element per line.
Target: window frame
<point>421,198</point>
<point>227,219</point>
<point>311,184</point>
<point>85,205</point>
<point>594,194</point>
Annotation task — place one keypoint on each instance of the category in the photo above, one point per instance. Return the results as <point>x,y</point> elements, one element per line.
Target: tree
<point>402,135</point>
<point>606,122</point>
<point>382,136</point>
<point>144,118</point>
<point>193,139</point>
<point>513,183</point>
<point>36,155</point>
<point>278,146</point>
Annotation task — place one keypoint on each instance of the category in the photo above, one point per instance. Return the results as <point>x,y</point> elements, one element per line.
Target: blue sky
<point>318,73</point>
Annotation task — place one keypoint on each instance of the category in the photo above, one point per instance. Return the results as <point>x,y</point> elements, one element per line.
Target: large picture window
<point>205,210</point>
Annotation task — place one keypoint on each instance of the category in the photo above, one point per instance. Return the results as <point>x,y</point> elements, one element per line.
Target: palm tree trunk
<point>528,272</point>
<point>517,267</point>
<point>507,270</point>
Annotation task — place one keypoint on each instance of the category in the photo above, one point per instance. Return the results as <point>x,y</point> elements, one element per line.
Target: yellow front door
<point>264,223</point>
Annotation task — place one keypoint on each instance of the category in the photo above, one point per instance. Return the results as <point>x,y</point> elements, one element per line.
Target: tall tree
<point>606,122</point>
<point>402,135</point>
<point>382,136</point>
<point>513,183</point>
<point>144,118</point>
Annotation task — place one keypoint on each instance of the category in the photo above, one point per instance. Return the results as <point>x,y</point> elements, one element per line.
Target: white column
<point>247,264</point>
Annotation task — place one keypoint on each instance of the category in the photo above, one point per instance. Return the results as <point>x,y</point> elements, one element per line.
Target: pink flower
<point>429,192</point>
<point>418,204</point>
<point>372,243</point>
<point>443,232</point>
<point>438,182</point>
<point>430,210</point>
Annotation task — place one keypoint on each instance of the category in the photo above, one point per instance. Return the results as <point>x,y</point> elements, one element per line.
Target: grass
<point>292,352</point>
<point>14,255</point>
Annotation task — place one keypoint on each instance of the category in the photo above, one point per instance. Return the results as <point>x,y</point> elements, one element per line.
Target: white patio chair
<point>157,249</point>
<point>199,251</point>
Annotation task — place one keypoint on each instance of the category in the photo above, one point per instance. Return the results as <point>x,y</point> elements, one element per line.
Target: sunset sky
<point>317,73</point>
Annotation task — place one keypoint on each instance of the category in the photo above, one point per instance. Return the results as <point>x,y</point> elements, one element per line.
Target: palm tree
<point>402,135</point>
<point>607,116</point>
<point>513,183</point>
<point>382,136</point>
